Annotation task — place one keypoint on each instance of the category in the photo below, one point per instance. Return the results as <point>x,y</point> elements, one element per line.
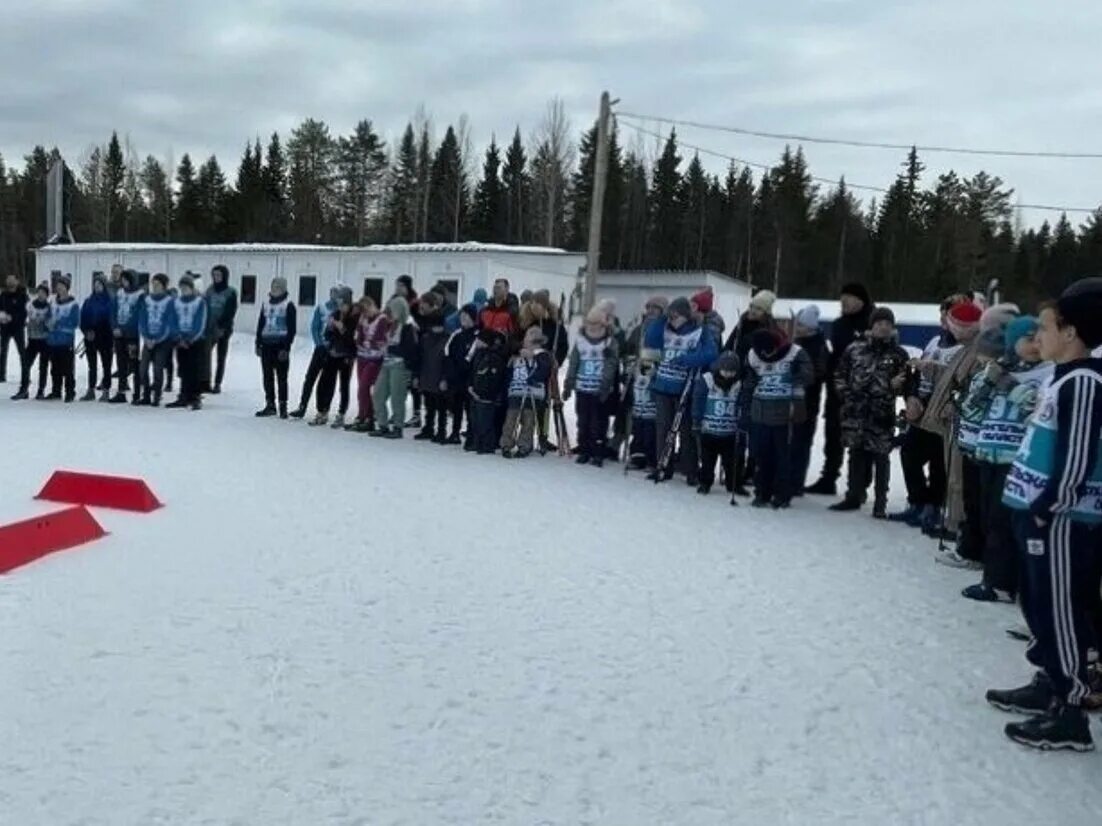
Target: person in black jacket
<point>430,379</point>
<point>13,323</point>
<point>847,328</point>
<point>808,335</point>
<point>489,368</point>
<point>457,369</point>
<point>275,334</point>
<point>340,352</point>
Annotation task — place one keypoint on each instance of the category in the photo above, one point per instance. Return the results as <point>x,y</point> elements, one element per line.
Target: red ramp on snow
<point>96,490</point>
<point>31,539</point>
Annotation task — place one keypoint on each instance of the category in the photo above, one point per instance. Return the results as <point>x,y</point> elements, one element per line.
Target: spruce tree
<point>517,184</point>
<point>581,193</point>
<point>189,203</point>
<point>402,210</point>
<point>277,219</point>
<point>488,210</point>
<point>448,192</point>
<point>114,173</point>
<point>311,153</point>
<point>210,183</point>
<point>665,208</point>
<point>158,195</point>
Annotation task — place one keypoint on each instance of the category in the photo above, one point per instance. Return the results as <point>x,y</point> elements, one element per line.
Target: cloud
<point>204,77</point>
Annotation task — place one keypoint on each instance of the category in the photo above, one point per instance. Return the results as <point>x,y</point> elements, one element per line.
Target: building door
<point>373,289</point>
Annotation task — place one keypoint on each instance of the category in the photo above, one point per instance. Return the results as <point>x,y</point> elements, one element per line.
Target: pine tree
<point>311,153</point>
<point>277,219</point>
<point>189,203</point>
<point>361,161</point>
<point>664,210</point>
<point>517,185</point>
<point>114,173</point>
<point>424,183</point>
<point>213,195</point>
<point>247,207</point>
<point>448,192</point>
<point>158,195</point>
<point>693,205</point>
<point>488,210</point>
<point>581,193</point>
<point>402,210</point>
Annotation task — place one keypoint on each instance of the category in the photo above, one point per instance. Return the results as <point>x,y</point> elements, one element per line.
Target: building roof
<point>651,277</point>
<point>467,247</point>
<point>905,312</point>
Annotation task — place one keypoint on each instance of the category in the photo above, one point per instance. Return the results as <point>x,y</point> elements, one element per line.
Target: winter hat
<point>398,309</point>
<point>43,287</point>
<point>856,290</point>
<point>964,319</point>
<point>129,276</point>
<point>470,311</point>
<point>279,284</point>
<point>162,279</point>
<point>334,293</point>
<point>407,282</point>
<point>809,317</point>
<point>534,337</point>
<point>479,298</point>
<point>680,307</point>
<point>344,295</point>
<point>99,278</point>
<point>1024,326</point>
<point>764,341</point>
<point>659,302</point>
<point>597,317</point>
<point>221,269</point>
<point>65,279</point>
<point>608,307</point>
<point>727,361</point>
<point>441,289</point>
<point>431,301</point>
<point>763,300</point>
<point>998,316</point>
<point>187,281</point>
<point>991,343</point>
<point>1080,305</point>
<point>881,314</point>
<point>705,300</point>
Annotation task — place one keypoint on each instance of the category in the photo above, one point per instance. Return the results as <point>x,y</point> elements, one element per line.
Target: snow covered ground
<point>322,628</point>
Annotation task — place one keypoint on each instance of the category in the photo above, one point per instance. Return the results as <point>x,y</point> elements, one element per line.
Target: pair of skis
<point>669,446</point>
<point>558,418</point>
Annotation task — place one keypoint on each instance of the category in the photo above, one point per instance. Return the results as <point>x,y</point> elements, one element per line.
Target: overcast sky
<point>203,76</point>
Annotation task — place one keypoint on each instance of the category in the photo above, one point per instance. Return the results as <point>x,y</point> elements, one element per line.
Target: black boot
<point>1061,727</point>
<point>179,404</point>
<point>118,398</point>
<point>20,396</point>
<point>266,412</point>
<point>90,396</point>
<point>299,412</point>
<point>704,489</point>
<point>1034,698</point>
<point>424,435</point>
<point>845,506</point>
<point>283,410</point>
<point>824,487</point>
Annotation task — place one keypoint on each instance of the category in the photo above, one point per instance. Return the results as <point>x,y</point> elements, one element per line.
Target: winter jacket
<point>457,365</point>
<point>63,322</point>
<point>371,336</point>
<point>1007,396</point>
<point>527,377</point>
<point>683,351</point>
<point>277,323</point>
<point>778,384</point>
<point>941,350</point>
<point>38,317</point>
<point>221,310</point>
<point>340,343</point>
<point>489,363</point>
<point>556,336</point>
<point>501,318</point>
<point>402,347</point>
<point>593,365</point>
<point>95,317</point>
<point>862,380</point>
<point>319,320</point>
<point>739,340</point>
<point>432,339</point>
<point>13,303</point>
<point>844,331</point>
<point>713,323</point>
<point>715,407</point>
<point>157,318</point>
<point>815,347</point>
<point>191,318</point>
<point>126,311</point>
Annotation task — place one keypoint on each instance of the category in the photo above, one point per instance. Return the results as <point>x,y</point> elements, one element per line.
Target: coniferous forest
<point>931,233</point>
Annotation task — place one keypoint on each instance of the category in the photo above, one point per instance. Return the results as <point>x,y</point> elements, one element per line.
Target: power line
<point>906,147</point>
<point>827,181</point>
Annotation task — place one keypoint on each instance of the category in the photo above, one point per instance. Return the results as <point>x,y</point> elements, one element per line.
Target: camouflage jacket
<point>864,384</point>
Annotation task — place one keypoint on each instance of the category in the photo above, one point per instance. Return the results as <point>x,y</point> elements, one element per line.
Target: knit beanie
<point>763,300</point>
<point>1080,305</point>
<point>881,314</point>
<point>279,284</point>
<point>658,302</point>
<point>344,295</point>
<point>65,279</point>
<point>764,341</point>
<point>470,311</point>
<point>964,320</point>
<point>597,317</point>
<point>1021,327</point>
<point>991,343</point>
<point>162,279</point>
<point>809,317</point>
<point>856,290</point>
<point>728,362</point>
<point>407,282</point>
<point>704,300</point>
<point>997,316</point>
<point>43,287</point>
<point>680,307</point>
<point>186,280</point>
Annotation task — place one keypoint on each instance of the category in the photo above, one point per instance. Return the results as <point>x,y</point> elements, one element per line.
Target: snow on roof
<point>829,308</point>
<point>467,247</point>
<point>664,277</point>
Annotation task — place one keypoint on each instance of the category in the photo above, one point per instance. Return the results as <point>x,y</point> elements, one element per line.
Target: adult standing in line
<point>13,324</point>
<point>221,313</point>
<point>851,325</point>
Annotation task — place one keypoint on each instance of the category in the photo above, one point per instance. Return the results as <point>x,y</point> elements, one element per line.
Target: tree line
<point>778,228</point>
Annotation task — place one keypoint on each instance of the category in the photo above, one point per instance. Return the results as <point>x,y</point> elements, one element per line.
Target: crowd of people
<point>998,423</point>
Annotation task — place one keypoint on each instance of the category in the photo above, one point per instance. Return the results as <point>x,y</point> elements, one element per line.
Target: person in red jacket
<point>500,315</point>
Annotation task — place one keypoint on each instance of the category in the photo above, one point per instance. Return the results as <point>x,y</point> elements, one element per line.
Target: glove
<point>259,350</point>
<point>284,355</point>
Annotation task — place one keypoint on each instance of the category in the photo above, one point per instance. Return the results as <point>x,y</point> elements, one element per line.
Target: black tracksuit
<point>14,304</point>
<point>457,373</point>
<point>340,346</point>
<point>275,355</point>
<point>489,368</point>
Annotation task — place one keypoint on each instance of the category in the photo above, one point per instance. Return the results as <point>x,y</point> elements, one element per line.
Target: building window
<point>373,289</point>
<point>452,286</point>
<point>307,290</point>
<point>248,289</point>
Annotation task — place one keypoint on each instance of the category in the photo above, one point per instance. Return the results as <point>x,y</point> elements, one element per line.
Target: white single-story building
<point>630,289</point>
<point>917,323</point>
<point>311,271</point>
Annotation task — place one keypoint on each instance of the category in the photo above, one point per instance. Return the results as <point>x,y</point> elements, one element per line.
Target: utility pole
<point>596,209</point>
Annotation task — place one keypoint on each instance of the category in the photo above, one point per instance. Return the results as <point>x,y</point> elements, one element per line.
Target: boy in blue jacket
<point>95,324</point>
<point>681,349</point>
<point>127,305</point>
<point>1054,488</point>
<point>157,327</point>
<point>62,327</point>
<point>190,310</point>
<point>319,321</point>
<point>715,421</point>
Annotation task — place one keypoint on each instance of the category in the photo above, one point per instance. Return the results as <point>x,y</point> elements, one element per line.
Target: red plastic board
<point>31,539</point>
<point>97,490</point>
